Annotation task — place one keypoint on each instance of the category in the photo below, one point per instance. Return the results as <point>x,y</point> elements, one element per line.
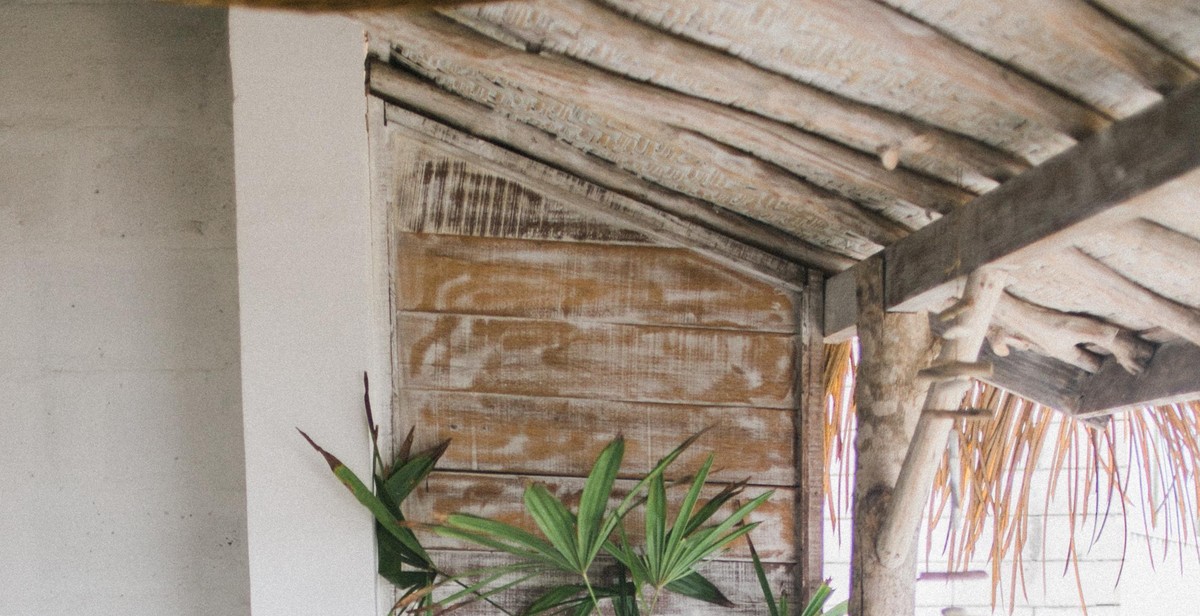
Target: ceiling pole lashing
<point>950,378</point>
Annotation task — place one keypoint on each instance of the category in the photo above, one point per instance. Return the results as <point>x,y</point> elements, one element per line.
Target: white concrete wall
<point>121,489</point>
<point>312,267</point>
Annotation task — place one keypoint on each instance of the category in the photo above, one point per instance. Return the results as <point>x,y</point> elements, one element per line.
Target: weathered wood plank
<point>587,197</point>
<point>556,100</point>
<point>582,282</point>
<point>809,440</point>
<point>1173,24</point>
<point>562,436</point>
<point>601,37</point>
<point>500,497</point>
<point>457,198</point>
<point>664,211</point>
<point>871,53</point>
<point>1136,161</point>
<point>590,360</point>
<point>1067,43</point>
<point>1171,377</point>
<point>736,579</point>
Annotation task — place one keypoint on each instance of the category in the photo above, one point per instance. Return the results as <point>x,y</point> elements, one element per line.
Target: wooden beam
<point>1172,376</point>
<point>579,193</point>
<point>808,439</point>
<point>1045,209</point>
<point>603,38</point>
<point>869,52</point>
<point>625,125</point>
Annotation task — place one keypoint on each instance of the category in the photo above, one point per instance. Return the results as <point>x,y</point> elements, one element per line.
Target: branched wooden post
<point>954,367</point>
<point>895,347</point>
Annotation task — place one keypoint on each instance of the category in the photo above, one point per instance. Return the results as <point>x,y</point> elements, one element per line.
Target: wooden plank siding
<point>531,335</point>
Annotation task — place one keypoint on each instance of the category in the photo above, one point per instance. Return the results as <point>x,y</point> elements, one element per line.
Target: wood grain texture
<point>603,38</point>
<point>1174,25</point>
<point>871,53</point>
<point>586,197</point>
<point>562,436</point>
<point>500,497</point>
<point>615,362</point>
<point>550,95</point>
<point>895,346</point>
<point>809,449</point>
<point>582,282</point>
<point>1067,43</point>
<point>736,579</point>
<point>662,211</point>
<point>1171,377</point>
<point>454,197</point>
<point>1051,206</point>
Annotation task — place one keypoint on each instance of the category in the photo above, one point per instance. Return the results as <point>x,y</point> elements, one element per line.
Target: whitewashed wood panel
<point>590,360</point>
<point>582,282</point>
<point>454,197</point>
<point>736,579</point>
<point>499,497</point>
<point>561,436</point>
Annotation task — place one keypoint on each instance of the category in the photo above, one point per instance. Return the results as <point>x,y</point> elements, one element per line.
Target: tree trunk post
<point>895,347</point>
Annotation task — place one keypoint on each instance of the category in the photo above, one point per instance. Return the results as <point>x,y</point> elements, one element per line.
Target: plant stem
<point>654,601</point>
<point>592,594</point>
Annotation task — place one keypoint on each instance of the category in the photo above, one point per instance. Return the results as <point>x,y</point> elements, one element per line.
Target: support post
<point>968,319</point>
<point>895,347</point>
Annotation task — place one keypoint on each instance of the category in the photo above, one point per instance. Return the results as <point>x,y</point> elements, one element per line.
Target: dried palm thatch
<point>1146,461</point>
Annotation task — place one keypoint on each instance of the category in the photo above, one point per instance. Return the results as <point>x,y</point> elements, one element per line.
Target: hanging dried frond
<point>989,480</point>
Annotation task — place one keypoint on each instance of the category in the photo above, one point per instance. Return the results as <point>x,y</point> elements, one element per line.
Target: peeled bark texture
<point>895,347</point>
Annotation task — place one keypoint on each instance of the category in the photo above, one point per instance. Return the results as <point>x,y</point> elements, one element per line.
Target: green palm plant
<point>402,559</point>
<point>570,542</point>
<point>671,554</point>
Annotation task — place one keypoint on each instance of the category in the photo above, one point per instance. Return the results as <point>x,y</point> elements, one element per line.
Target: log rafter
<point>893,62</point>
<point>747,163</point>
<point>603,38</point>
<point>766,250</point>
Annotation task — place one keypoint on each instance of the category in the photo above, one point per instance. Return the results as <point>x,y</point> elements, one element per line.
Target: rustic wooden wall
<point>531,334</point>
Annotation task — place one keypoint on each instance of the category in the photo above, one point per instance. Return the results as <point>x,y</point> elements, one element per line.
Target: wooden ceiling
<point>819,132</point>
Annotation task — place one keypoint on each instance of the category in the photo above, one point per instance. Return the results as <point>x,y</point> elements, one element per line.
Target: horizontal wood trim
<point>500,497</point>
<point>582,282</point>
<point>736,579</point>
<point>561,436</point>
<point>451,196</point>
<point>1172,376</point>
<point>589,360</point>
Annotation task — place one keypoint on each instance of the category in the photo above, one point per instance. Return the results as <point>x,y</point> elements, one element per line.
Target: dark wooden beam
<point>1172,376</point>
<point>1041,210</point>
